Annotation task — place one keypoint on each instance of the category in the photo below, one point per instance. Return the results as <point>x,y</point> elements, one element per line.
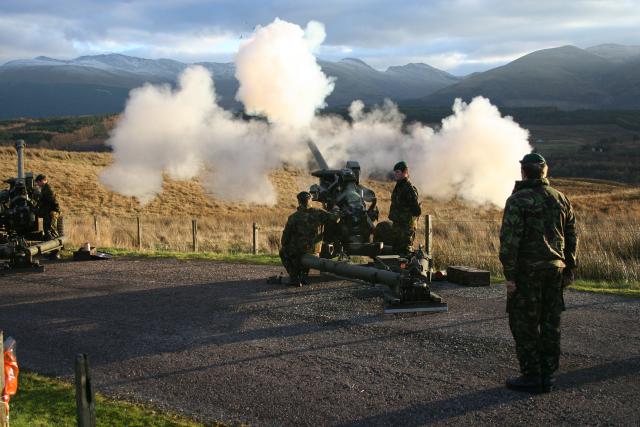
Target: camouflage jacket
<point>538,229</point>
<point>47,201</point>
<point>405,206</point>
<point>304,228</point>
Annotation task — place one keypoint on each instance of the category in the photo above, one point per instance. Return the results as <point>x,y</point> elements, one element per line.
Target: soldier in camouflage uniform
<point>48,208</point>
<point>538,252</point>
<point>404,211</point>
<point>302,235</point>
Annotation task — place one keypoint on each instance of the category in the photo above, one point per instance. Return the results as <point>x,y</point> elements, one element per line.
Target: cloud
<point>376,29</point>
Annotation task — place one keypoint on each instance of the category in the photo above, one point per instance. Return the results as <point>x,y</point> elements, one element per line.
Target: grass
<point>43,402</point>
<point>630,289</point>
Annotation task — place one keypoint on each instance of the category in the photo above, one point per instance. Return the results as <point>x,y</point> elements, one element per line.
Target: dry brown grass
<point>608,215</point>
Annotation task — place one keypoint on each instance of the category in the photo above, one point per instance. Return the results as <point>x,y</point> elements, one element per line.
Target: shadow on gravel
<point>435,333</point>
<point>441,410</point>
<point>117,323</point>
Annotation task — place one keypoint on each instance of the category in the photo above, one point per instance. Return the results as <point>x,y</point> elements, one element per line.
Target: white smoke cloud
<point>184,134</point>
<point>473,156</point>
<point>279,76</point>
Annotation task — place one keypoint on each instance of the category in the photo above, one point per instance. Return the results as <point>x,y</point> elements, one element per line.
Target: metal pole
<point>96,229</point>
<point>139,233</point>
<point>255,238</point>
<point>194,233</point>
<point>85,402</point>
<point>428,233</point>
<point>20,150</point>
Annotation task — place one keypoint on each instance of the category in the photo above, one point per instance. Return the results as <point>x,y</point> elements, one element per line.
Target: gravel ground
<point>216,342</point>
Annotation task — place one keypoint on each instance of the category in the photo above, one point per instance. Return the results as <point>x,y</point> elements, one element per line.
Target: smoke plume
<point>182,133</point>
<point>279,76</point>
<point>474,155</point>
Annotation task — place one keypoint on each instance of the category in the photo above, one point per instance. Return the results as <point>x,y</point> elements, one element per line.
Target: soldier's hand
<point>567,277</point>
<point>511,287</point>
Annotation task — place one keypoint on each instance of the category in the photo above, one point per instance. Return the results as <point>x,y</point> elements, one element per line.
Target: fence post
<point>4,421</point>
<point>85,402</point>
<point>194,234</point>
<point>255,238</point>
<point>427,234</point>
<point>139,233</point>
<point>96,229</point>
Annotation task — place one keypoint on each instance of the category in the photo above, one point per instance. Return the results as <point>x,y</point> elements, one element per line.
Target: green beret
<point>533,158</point>
<point>400,166</point>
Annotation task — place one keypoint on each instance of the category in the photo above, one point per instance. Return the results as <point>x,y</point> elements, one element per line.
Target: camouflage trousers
<point>403,236</point>
<point>50,224</point>
<point>291,263</point>
<point>534,319</point>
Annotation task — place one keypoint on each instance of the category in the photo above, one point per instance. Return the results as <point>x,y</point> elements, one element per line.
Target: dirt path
<point>215,341</point>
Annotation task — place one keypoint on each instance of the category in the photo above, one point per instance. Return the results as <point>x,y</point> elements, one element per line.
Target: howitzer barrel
<point>20,149</point>
<point>368,274</point>
<point>317,155</point>
<point>48,246</point>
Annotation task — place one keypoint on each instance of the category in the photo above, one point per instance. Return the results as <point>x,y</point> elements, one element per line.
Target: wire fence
<point>608,250</point>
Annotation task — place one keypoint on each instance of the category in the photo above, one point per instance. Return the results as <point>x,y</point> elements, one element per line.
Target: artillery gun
<point>22,238</point>
<point>408,278</point>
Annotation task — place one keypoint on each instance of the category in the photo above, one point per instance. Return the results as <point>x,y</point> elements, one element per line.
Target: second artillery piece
<point>356,234</point>
<point>22,238</point>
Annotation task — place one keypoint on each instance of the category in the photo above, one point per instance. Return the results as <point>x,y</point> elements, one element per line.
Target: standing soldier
<point>48,208</point>
<point>538,253</point>
<point>404,211</point>
<point>302,235</point>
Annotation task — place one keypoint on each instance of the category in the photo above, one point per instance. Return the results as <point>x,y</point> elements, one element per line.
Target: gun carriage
<point>357,235</point>
<point>22,238</point>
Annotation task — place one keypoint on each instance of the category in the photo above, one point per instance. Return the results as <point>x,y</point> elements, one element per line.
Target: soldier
<point>48,208</point>
<point>404,211</point>
<point>301,235</point>
<point>538,253</point>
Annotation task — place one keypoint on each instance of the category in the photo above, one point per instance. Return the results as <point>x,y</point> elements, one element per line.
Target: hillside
<point>75,178</point>
<point>565,77</point>
<point>100,84</point>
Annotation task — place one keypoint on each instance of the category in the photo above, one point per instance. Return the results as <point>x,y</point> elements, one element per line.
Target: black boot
<point>295,281</point>
<point>548,383</point>
<point>304,279</point>
<point>525,383</point>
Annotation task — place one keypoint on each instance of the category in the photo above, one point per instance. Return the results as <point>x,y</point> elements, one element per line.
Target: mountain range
<point>601,77</point>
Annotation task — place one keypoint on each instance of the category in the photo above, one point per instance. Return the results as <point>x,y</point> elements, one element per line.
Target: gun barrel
<point>317,155</point>
<point>368,274</point>
<point>20,149</point>
<point>48,246</point>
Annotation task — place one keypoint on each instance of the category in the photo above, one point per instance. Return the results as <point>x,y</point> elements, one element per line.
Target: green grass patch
<point>630,289</point>
<point>241,258</point>
<point>42,402</point>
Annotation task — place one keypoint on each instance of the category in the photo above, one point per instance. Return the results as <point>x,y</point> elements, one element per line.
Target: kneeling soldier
<point>302,235</point>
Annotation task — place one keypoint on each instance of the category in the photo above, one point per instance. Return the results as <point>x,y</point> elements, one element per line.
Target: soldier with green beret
<point>538,245</point>
<point>48,209</point>
<point>404,211</point>
<point>302,235</point>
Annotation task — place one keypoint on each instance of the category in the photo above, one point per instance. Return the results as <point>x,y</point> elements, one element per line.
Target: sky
<point>458,36</point>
